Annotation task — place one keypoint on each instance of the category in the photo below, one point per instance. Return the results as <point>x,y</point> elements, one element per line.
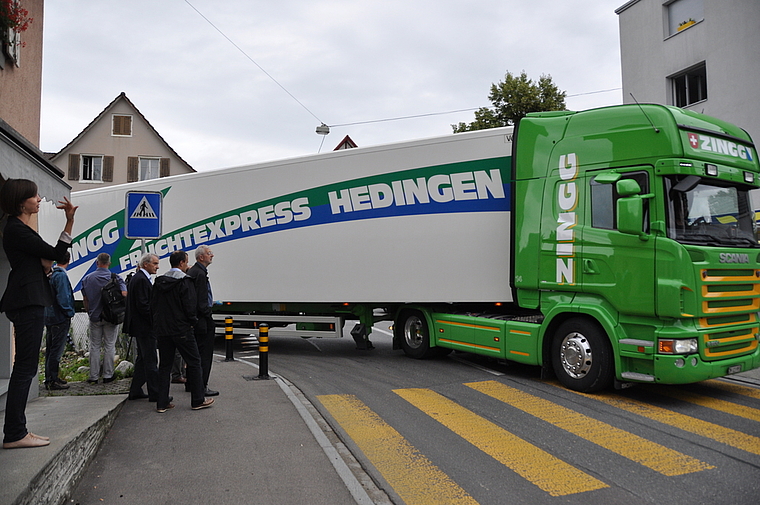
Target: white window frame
<point>13,47</point>
<point>82,158</point>
<point>689,88</point>
<point>141,171</point>
<point>131,125</point>
<point>683,14</point>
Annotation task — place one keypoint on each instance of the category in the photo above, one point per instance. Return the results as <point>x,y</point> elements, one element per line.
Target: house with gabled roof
<point>346,143</point>
<point>117,147</point>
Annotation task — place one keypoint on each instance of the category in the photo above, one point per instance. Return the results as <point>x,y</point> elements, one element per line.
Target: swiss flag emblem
<point>694,140</point>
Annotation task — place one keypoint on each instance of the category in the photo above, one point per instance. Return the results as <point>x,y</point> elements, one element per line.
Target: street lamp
<point>323,129</point>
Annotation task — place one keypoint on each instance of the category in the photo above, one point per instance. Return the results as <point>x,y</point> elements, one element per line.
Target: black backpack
<point>114,303</point>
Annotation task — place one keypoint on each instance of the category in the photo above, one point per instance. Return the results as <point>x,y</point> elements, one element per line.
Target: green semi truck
<point>635,252</point>
<point>612,246</point>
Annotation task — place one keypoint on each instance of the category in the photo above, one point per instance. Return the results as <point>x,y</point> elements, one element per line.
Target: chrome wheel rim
<point>413,332</point>
<point>575,355</point>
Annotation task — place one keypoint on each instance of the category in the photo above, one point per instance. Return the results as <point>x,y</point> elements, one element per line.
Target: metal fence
<point>80,337</point>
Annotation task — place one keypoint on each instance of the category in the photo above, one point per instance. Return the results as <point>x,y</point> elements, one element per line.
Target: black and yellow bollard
<point>263,351</point>
<point>228,338</point>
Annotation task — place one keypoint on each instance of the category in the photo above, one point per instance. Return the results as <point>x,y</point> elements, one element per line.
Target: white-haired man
<point>204,329</point>
<point>141,329</point>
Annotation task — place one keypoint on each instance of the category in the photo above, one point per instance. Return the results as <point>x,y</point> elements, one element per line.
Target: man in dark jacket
<point>204,329</point>
<point>140,324</point>
<point>57,323</point>
<point>173,308</point>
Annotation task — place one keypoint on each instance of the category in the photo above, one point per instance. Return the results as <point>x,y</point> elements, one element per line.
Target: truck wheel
<point>582,356</point>
<point>415,335</point>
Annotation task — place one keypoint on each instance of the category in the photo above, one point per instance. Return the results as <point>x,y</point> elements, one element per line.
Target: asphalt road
<point>462,429</point>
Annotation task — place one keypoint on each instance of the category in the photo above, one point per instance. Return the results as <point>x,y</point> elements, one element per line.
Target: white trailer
<point>425,221</point>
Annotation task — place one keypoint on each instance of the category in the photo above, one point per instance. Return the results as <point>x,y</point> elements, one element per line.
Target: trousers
<point>146,368</point>
<point>55,343</point>
<point>187,347</point>
<point>103,336</point>
<point>28,325</point>
<point>205,331</point>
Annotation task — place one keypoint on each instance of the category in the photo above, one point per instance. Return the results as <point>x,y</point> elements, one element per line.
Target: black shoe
<point>92,381</point>
<point>54,386</point>
<point>110,379</point>
<point>138,396</point>
<point>210,392</point>
<point>60,381</point>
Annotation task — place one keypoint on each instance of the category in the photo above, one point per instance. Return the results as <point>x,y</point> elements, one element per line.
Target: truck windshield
<point>702,212</point>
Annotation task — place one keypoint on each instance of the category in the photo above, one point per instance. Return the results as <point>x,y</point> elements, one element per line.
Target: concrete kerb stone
<point>76,425</point>
<point>84,388</point>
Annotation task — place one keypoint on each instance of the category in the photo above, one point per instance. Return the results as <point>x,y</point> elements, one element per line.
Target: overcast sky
<point>336,62</point>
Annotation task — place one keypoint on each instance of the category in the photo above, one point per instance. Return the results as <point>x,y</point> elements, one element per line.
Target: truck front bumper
<point>675,369</point>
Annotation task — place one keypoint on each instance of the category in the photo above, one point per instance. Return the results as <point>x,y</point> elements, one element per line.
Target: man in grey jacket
<point>103,334</point>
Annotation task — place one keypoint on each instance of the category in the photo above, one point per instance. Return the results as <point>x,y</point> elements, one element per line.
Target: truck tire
<point>414,334</point>
<point>582,356</point>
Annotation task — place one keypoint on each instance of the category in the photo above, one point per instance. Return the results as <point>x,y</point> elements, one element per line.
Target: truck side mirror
<point>630,215</point>
<point>627,187</point>
<point>630,208</point>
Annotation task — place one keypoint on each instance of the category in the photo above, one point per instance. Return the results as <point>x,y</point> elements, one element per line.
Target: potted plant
<point>685,24</point>
<point>14,19</point>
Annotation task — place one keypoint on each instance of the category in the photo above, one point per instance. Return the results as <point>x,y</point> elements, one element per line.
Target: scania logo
<point>712,343</point>
<point>734,258</point>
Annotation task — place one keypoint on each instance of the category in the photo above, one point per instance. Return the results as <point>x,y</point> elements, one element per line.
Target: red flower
<point>13,16</point>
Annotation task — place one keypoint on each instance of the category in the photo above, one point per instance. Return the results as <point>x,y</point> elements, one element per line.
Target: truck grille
<point>730,291</point>
<point>730,301</point>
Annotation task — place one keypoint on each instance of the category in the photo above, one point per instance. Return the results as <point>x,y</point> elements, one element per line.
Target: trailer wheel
<point>582,356</point>
<point>415,335</point>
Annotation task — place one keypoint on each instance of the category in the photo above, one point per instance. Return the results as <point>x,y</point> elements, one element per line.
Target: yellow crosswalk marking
<point>735,388</point>
<point>416,480</point>
<point>537,466</point>
<point>709,402</point>
<point>652,455</point>
<point>705,429</point>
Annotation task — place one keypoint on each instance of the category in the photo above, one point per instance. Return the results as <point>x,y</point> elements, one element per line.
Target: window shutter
<point>164,168</point>
<point>73,167</point>
<point>132,169</point>
<point>122,125</point>
<point>107,168</point>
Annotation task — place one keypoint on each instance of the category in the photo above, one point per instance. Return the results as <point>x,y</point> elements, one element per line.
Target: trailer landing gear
<point>359,332</point>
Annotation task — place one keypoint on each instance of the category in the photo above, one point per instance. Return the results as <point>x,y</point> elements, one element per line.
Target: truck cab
<point>635,239</point>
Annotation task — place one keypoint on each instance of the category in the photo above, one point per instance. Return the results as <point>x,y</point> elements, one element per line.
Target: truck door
<point>615,265</point>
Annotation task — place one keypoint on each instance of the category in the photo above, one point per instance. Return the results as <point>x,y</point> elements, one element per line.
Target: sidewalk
<point>261,442</point>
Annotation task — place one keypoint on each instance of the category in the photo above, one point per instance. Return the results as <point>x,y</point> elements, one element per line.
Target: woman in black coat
<point>27,294</point>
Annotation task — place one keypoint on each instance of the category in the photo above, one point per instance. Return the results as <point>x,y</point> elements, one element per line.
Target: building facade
<point>701,55</point>
<point>117,147</point>
<point>21,74</point>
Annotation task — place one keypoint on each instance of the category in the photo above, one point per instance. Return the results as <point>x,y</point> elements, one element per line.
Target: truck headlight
<point>678,346</point>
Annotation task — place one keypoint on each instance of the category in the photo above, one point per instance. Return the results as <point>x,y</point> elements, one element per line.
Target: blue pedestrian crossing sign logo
<point>143,214</point>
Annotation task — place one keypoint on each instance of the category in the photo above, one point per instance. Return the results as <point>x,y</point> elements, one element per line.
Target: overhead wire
<point>399,118</point>
<point>452,111</point>
<point>253,61</point>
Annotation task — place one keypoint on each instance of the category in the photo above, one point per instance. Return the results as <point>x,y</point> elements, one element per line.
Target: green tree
<point>512,99</point>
